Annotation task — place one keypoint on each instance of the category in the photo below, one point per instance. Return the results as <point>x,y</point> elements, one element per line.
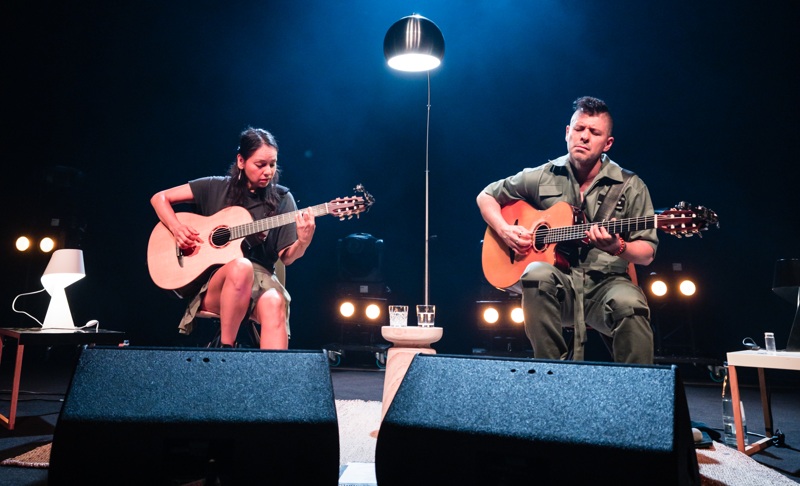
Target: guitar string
<point>576,232</point>
<point>240,231</point>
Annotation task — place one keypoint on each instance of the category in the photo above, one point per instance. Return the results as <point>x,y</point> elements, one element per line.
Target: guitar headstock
<point>686,220</point>
<point>347,207</point>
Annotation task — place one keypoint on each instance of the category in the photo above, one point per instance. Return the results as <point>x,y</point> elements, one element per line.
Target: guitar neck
<point>578,231</point>
<point>266,224</point>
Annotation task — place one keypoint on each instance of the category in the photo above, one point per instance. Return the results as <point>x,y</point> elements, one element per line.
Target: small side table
<point>783,360</point>
<point>48,337</point>
<point>408,342</point>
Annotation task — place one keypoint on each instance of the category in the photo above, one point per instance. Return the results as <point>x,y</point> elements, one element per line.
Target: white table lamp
<point>65,268</point>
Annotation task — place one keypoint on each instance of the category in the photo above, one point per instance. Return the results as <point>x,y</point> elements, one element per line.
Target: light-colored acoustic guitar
<point>176,269</point>
<point>502,267</point>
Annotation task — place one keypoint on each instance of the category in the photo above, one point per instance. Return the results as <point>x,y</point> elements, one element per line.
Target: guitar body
<point>171,272</point>
<point>501,265</point>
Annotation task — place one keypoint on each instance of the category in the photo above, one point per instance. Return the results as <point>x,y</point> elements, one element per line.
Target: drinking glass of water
<point>426,315</point>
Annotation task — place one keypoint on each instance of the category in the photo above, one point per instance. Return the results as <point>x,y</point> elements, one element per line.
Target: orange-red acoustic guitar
<point>503,267</point>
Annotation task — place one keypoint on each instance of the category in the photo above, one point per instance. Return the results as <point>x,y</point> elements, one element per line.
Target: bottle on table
<point>728,423</point>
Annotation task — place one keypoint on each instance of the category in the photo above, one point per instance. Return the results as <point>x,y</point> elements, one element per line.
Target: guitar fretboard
<point>266,224</point>
<point>578,231</point>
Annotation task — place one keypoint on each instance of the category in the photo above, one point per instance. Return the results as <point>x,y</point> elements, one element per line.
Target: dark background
<point>105,103</point>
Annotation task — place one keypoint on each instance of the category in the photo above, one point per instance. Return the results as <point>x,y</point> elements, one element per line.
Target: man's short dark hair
<point>592,106</point>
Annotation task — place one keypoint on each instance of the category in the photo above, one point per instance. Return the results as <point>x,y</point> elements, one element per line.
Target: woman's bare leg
<point>228,295</point>
<point>270,312</point>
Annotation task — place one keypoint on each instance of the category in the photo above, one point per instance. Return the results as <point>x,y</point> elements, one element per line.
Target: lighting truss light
<point>347,309</point>
<point>517,315</point>
<point>373,311</point>
<point>490,315</point>
<point>499,315</point>
<point>687,288</point>
<point>361,311</point>
<point>23,243</point>
<point>658,288</point>
<point>47,244</point>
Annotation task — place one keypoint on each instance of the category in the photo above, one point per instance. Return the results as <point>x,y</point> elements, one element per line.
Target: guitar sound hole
<point>220,237</point>
<point>539,235</point>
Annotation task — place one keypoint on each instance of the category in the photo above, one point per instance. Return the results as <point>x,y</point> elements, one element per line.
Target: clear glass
<point>398,315</point>
<point>426,315</point>
<point>769,343</point>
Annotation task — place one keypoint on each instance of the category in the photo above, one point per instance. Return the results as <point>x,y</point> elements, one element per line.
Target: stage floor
<point>47,373</point>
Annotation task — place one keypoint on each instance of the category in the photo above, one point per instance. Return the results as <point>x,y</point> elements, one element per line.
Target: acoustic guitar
<point>502,267</point>
<point>176,269</point>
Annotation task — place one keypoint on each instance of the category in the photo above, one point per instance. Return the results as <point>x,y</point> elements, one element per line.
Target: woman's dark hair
<point>251,140</point>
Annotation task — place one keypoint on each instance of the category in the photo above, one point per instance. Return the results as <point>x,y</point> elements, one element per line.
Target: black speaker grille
<point>474,420</point>
<point>179,416</point>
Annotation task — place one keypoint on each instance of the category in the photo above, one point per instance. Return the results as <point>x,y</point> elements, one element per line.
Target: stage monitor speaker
<point>178,416</point>
<point>478,420</point>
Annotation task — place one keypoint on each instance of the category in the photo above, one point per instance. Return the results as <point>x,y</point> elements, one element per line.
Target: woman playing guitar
<point>245,286</point>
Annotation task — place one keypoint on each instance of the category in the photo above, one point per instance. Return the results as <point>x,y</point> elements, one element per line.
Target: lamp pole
<point>416,44</point>
<point>427,195</point>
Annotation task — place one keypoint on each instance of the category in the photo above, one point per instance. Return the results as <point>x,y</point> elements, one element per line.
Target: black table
<point>48,337</point>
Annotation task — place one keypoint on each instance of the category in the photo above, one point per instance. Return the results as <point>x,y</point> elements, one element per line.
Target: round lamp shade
<point>414,44</point>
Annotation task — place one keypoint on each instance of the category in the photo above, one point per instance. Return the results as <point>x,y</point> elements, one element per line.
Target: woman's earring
<point>239,177</point>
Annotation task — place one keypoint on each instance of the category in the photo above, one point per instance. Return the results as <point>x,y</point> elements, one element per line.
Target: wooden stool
<point>408,342</point>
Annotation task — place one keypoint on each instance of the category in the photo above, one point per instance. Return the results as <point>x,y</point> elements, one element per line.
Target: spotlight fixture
<point>372,311</point>
<point>23,243</point>
<point>517,315</point>
<point>347,309</point>
<point>687,288</point>
<point>498,315</point>
<point>47,244</point>
<point>491,315</point>
<point>500,327</point>
<point>673,298</point>
<point>671,286</point>
<point>658,288</point>
<point>361,311</point>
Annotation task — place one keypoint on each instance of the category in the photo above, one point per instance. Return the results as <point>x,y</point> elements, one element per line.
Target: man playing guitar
<point>587,283</point>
